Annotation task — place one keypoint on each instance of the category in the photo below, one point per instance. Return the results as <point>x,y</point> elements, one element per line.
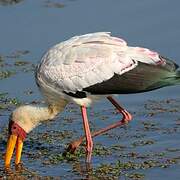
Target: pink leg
<point>126,115</point>
<point>126,118</point>
<point>89,142</point>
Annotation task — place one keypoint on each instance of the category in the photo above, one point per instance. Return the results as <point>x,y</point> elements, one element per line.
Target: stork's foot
<point>73,146</point>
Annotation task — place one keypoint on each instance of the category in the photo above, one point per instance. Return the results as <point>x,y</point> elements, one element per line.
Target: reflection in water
<point>19,172</point>
<point>83,169</point>
<point>9,2</point>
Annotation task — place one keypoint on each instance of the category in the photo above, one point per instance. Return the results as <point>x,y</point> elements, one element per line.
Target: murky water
<point>147,148</point>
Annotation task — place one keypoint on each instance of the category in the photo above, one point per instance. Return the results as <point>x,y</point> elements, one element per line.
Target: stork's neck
<point>29,116</point>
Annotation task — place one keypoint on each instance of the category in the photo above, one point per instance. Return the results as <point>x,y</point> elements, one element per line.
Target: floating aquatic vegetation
<point>9,2</point>
<point>6,74</point>
<point>7,102</point>
<point>107,171</point>
<point>52,4</point>
<point>28,92</point>
<point>10,67</point>
<point>136,176</point>
<point>1,59</point>
<point>143,143</point>
<point>111,161</point>
<point>168,105</point>
<point>17,54</point>
<point>100,150</point>
<point>21,63</point>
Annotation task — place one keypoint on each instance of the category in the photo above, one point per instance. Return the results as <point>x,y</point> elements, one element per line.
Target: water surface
<point>149,146</point>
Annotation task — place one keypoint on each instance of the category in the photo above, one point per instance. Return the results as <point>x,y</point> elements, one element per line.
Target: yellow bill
<point>19,146</point>
<point>12,141</point>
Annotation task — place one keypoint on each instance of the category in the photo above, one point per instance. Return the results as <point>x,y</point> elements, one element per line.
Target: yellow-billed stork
<point>84,69</point>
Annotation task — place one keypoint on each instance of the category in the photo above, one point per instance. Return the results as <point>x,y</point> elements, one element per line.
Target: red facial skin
<point>15,129</point>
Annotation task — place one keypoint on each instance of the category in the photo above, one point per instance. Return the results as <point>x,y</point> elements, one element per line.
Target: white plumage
<point>83,61</point>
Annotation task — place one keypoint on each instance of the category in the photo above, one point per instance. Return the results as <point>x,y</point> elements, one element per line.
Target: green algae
<point>12,64</point>
<point>51,4</point>
<point>6,74</point>
<point>21,63</point>
<point>17,54</point>
<point>8,102</point>
<point>143,143</point>
<point>9,2</point>
<point>126,161</point>
<point>136,176</point>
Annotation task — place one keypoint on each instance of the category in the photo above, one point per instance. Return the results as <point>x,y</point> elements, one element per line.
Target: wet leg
<point>89,142</point>
<point>126,118</point>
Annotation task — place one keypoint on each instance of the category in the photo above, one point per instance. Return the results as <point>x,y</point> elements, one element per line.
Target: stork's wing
<point>90,59</point>
<point>144,77</point>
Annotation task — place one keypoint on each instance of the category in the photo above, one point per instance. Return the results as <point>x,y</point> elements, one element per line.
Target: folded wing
<point>90,59</point>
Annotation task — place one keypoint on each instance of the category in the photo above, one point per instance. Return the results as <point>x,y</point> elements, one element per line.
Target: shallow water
<point>147,148</point>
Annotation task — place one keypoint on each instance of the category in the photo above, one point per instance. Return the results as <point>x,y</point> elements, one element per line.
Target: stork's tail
<point>169,75</point>
<point>176,79</point>
<point>173,75</point>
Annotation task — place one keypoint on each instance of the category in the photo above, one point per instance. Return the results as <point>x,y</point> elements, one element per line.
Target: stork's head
<point>22,121</point>
<point>19,125</point>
